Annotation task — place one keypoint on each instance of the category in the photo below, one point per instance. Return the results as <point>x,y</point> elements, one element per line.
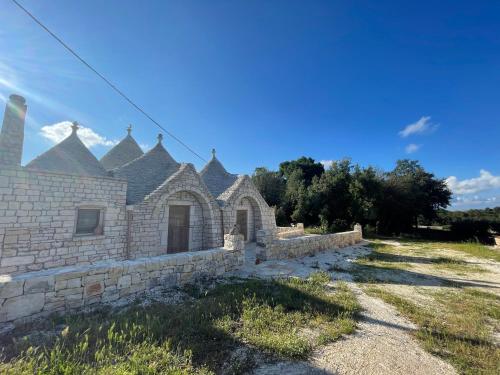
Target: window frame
<point>99,231</point>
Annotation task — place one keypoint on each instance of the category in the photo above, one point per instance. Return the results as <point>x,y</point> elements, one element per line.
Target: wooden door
<point>178,229</point>
<point>242,222</point>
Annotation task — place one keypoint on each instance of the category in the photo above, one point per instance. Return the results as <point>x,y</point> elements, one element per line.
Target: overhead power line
<point>107,81</point>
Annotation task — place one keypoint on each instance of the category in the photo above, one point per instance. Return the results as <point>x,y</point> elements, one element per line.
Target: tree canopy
<point>344,194</point>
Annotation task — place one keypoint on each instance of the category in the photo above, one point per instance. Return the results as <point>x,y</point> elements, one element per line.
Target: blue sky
<point>268,81</point>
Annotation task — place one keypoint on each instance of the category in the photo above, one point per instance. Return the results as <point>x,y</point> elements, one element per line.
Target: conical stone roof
<point>123,153</point>
<point>147,172</point>
<point>216,177</point>
<point>69,156</point>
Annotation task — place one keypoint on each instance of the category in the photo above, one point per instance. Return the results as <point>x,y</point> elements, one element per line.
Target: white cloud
<point>144,146</point>
<point>485,181</point>
<point>411,148</point>
<point>463,202</point>
<point>61,130</point>
<point>327,163</point>
<point>422,126</point>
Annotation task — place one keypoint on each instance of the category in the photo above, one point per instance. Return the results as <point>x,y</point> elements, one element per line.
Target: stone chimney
<point>12,133</point>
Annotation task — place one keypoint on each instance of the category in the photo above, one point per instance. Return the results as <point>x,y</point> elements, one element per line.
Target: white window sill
<point>84,237</point>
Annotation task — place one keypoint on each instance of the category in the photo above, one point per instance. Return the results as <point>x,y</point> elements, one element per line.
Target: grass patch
<point>456,265</point>
<point>458,327</point>
<point>474,249</point>
<point>403,258</point>
<point>195,337</point>
<point>471,248</point>
<point>315,230</point>
<point>385,256</point>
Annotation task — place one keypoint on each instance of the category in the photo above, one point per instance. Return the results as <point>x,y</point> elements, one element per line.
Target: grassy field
<point>456,321</point>
<point>474,249</point>
<point>470,248</point>
<point>196,337</point>
<point>405,257</point>
<point>457,327</point>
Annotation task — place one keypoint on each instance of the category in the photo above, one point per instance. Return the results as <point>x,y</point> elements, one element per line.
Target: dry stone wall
<point>33,295</point>
<point>38,217</point>
<point>270,247</point>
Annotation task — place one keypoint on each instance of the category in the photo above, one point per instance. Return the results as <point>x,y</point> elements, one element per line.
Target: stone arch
<point>203,217</point>
<point>247,202</point>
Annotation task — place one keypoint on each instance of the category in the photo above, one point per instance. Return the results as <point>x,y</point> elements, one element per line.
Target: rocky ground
<point>383,343</point>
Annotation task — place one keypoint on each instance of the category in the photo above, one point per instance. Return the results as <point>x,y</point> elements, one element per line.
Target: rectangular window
<point>89,221</point>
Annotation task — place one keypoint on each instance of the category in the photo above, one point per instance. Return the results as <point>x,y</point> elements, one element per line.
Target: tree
<point>331,196</point>
<point>295,199</point>
<point>410,193</point>
<point>272,187</point>
<point>366,190</point>
<point>307,166</point>
<point>270,184</point>
<point>345,194</point>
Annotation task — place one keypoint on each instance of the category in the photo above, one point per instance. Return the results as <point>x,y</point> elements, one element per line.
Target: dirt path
<point>382,343</point>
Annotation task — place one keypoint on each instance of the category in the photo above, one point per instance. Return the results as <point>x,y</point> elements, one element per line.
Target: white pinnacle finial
<point>129,129</point>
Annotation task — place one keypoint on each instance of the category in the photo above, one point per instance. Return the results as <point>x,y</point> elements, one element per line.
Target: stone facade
<point>47,265</point>
<point>37,220</point>
<point>270,247</point>
<point>149,229</point>
<point>33,295</point>
<point>39,203</point>
<point>244,190</point>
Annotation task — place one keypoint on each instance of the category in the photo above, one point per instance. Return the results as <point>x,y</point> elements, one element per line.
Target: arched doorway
<point>185,223</point>
<point>248,217</point>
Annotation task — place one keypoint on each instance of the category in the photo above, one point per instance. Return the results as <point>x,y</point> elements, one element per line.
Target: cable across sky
<point>107,81</point>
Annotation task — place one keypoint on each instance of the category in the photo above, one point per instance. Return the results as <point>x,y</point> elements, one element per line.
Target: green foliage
<point>409,192</point>
<point>307,166</point>
<point>477,225</point>
<point>471,248</point>
<point>332,196</point>
<point>270,184</point>
<point>345,194</point>
<point>478,230</point>
<point>392,257</point>
<point>491,215</point>
<point>195,337</point>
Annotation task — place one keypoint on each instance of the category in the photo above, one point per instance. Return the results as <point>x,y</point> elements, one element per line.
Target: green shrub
<point>467,229</point>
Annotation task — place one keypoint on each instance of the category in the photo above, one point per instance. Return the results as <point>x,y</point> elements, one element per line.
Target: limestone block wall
<point>244,189</point>
<point>38,217</point>
<point>149,224</point>
<point>33,295</point>
<point>270,247</point>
